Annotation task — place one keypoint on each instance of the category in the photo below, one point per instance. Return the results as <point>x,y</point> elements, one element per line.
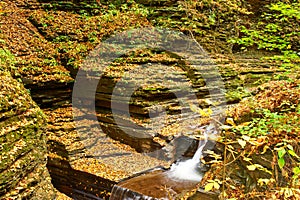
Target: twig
<point>224,171</point>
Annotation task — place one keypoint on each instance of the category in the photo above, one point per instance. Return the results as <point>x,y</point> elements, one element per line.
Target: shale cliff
<point>44,43</point>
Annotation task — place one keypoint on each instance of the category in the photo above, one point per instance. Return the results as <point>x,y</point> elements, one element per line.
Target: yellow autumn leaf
<point>230,121</point>
<point>251,167</point>
<point>246,138</point>
<point>265,149</point>
<point>205,113</point>
<point>216,185</point>
<point>247,159</point>
<point>194,108</point>
<point>208,187</point>
<point>264,181</point>
<point>226,127</point>
<point>254,142</point>
<point>242,143</point>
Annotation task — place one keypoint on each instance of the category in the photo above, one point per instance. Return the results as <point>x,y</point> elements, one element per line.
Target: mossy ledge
<point>23,173</point>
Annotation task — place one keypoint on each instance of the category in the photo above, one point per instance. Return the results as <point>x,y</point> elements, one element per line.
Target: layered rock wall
<point>23,172</point>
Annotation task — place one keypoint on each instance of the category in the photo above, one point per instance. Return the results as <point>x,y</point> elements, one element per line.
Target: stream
<point>166,184</point>
<point>131,122</point>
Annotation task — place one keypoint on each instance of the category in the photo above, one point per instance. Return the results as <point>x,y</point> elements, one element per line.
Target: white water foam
<point>188,170</point>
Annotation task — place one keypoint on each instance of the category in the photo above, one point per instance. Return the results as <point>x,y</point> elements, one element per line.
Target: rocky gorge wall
<point>50,41</point>
<point>23,144</point>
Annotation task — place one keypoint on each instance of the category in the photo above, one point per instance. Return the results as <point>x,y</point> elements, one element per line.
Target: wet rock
<point>75,183</point>
<point>203,195</point>
<point>152,185</point>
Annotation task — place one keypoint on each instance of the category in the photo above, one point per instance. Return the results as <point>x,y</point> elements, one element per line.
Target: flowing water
<point>165,184</point>
<point>153,185</point>
<point>189,169</point>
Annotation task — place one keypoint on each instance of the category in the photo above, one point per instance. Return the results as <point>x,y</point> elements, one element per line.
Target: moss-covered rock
<point>23,172</point>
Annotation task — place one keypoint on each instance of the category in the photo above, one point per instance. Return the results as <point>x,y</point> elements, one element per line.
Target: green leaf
<point>281,163</point>
<point>281,152</point>
<point>296,170</point>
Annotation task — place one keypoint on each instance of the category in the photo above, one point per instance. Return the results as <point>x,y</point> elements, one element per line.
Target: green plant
<point>50,62</point>
<point>278,30</point>
<point>61,38</point>
<point>93,37</point>
<point>7,60</point>
<point>286,151</point>
<point>269,122</point>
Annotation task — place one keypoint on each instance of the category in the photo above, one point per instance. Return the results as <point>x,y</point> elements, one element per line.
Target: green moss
<point>7,60</point>
<point>252,80</point>
<point>236,95</point>
<point>22,141</point>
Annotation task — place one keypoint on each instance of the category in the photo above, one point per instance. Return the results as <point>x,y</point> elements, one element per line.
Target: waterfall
<point>202,143</point>
<point>183,175</point>
<point>189,169</point>
<point>120,193</point>
<point>210,130</point>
